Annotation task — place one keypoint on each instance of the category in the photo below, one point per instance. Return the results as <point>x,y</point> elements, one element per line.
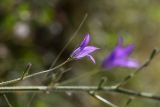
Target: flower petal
<point>130,63</point>
<point>128,49</point>
<point>123,52</point>
<point>85,41</point>
<point>119,52</point>
<point>91,58</point>
<point>86,51</point>
<point>120,57</point>
<point>75,52</point>
<point>108,62</point>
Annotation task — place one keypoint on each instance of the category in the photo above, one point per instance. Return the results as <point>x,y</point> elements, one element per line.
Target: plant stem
<point>98,97</point>
<point>34,74</point>
<point>145,64</point>
<point>9,89</point>
<point>8,102</point>
<point>70,40</point>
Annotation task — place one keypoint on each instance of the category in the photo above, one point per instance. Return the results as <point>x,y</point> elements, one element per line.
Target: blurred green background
<point>36,30</point>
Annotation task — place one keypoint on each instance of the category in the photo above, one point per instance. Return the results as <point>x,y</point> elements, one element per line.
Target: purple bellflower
<point>84,50</point>
<point>119,57</point>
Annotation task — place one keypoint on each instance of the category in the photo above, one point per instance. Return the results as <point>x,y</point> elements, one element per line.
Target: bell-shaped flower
<point>84,50</point>
<point>119,57</point>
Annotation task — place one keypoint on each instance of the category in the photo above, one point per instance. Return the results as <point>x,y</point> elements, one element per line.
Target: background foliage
<point>36,30</point>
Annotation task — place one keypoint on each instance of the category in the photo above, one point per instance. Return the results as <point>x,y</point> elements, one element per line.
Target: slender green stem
<point>26,71</point>
<point>8,102</point>
<point>9,89</point>
<point>34,74</point>
<point>71,39</point>
<point>145,64</point>
<point>98,97</point>
<point>130,99</point>
<point>102,82</point>
<point>60,53</point>
<point>104,100</point>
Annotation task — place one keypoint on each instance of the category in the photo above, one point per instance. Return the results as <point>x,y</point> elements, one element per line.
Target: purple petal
<point>128,49</point>
<point>123,52</point>
<point>108,62</point>
<point>75,52</point>
<point>130,63</point>
<point>120,57</point>
<point>119,52</point>
<point>86,51</point>
<point>91,58</point>
<point>85,41</point>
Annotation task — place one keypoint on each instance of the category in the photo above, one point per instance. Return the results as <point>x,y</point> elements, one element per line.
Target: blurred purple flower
<point>119,57</point>
<point>84,50</point>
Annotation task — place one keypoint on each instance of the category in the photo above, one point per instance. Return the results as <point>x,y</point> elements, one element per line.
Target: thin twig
<point>30,100</point>
<point>8,102</point>
<point>9,89</point>
<point>130,99</point>
<point>60,53</point>
<point>34,74</point>
<point>145,64</point>
<point>102,82</point>
<point>71,39</point>
<point>98,97</point>
<point>28,67</point>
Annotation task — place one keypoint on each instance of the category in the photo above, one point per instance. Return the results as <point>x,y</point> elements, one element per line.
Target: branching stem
<point>145,64</point>
<point>10,89</point>
<point>34,74</point>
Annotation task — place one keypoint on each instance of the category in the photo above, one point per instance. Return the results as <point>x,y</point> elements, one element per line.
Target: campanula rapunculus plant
<point>119,57</point>
<point>84,50</point>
